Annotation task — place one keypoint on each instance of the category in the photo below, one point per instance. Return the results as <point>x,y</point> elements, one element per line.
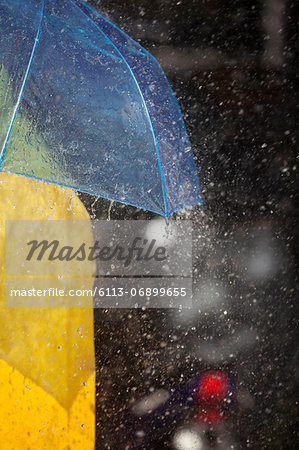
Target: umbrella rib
<point>144,103</point>
<point>36,40</point>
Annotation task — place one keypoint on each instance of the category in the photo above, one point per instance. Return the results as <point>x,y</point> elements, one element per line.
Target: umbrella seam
<point>146,109</point>
<point>36,40</point>
<point>122,32</point>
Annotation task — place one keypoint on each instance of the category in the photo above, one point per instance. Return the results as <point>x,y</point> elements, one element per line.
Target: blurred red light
<point>213,388</point>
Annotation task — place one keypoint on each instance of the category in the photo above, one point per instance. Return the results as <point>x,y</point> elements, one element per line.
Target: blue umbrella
<point>83,105</point>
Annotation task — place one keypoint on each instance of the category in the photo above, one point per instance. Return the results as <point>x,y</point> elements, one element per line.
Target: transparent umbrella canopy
<point>84,106</point>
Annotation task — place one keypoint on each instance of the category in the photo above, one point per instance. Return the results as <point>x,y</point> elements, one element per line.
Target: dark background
<point>232,65</point>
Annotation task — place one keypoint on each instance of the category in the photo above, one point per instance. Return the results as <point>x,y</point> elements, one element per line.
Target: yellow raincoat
<point>47,381</point>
